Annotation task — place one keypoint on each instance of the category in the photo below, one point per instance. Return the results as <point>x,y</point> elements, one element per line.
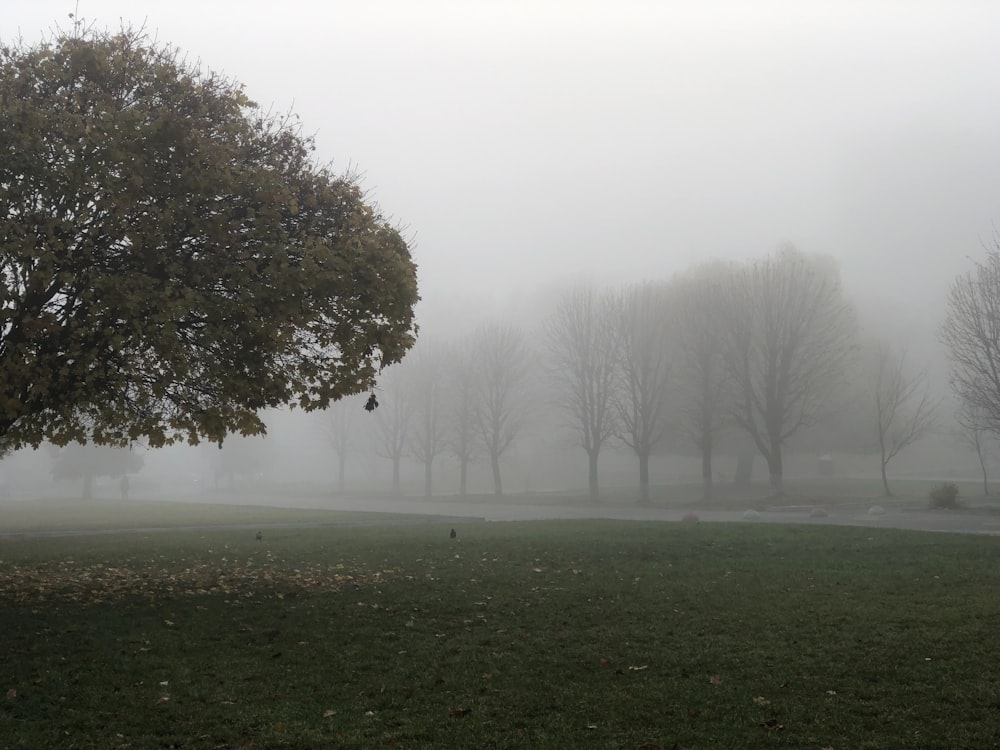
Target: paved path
<point>516,509</point>
<point>458,512</point>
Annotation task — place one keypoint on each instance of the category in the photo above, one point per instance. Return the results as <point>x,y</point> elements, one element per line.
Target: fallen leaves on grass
<point>715,679</point>
<point>71,581</point>
<point>458,713</point>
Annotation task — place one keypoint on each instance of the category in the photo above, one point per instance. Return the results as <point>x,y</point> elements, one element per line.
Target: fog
<point>523,146</point>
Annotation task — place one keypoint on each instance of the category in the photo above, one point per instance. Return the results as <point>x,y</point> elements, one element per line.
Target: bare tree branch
<point>502,365</point>
<point>790,332</point>
<point>582,341</point>
<point>904,409</point>
<point>644,372</point>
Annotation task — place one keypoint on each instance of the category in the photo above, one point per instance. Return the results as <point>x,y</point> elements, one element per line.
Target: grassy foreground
<point>545,635</point>
<point>103,514</point>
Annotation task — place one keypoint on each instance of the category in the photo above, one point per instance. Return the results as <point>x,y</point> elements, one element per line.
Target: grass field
<point>543,635</point>
<point>79,515</point>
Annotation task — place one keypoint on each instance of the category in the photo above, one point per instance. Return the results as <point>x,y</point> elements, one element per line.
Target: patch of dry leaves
<point>67,580</point>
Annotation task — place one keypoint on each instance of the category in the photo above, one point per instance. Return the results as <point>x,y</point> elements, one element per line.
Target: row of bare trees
<point>764,349</point>
<point>468,398</point>
<point>971,333</point>
<point>759,346</point>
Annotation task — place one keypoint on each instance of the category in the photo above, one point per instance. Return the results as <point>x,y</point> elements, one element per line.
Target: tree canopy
<point>173,259</point>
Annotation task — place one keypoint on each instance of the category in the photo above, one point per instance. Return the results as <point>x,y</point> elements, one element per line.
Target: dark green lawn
<point>544,635</point>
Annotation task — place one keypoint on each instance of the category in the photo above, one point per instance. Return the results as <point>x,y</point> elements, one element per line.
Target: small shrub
<point>944,495</point>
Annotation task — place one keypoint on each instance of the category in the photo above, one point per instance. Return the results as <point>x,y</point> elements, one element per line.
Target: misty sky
<point>521,143</point>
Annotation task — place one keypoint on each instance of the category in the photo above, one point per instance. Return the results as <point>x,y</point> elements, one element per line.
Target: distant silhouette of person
<point>453,534</point>
<point>123,484</point>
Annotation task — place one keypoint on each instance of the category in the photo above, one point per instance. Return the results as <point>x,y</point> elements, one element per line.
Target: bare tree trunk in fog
<point>791,333</point>
<point>502,367</point>
<point>776,471</point>
<point>644,478</point>
<point>497,481</point>
<point>582,344</point>
<point>427,439</point>
<point>974,432</point>
<point>706,471</point>
<point>396,487</point>
<point>744,464</point>
<point>461,420</point>
<point>342,427</point>
<point>700,323</point>
<point>644,372</point>
<point>904,409</point>
<point>592,457</point>
<point>971,332</point>
<point>393,417</point>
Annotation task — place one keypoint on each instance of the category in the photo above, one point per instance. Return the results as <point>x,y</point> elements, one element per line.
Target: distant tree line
<point>765,349</point>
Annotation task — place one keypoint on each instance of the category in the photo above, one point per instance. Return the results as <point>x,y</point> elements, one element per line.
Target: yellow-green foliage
<point>172,260</point>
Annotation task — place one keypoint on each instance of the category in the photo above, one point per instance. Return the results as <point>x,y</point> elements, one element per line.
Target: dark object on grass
<point>260,535</point>
<point>453,534</point>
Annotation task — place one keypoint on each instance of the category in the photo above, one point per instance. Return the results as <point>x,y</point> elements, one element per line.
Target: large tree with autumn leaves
<point>172,259</point>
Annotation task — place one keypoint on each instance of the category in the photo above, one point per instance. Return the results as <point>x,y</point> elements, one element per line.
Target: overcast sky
<point>524,142</point>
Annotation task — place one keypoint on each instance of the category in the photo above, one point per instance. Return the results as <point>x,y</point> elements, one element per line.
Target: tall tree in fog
<point>425,370</point>
<point>393,420</point>
<point>342,425</point>
<point>582,341</point>
<point>698,319</point>
<point>88,462</point>
<point>644,355</point>
<point>904,409</point>
<point>971,332</point>
<point>502,367</point>
<point>973,430</point>
<point>240,455</point>
<point>790,335</point>
<point>173,261</point>
<point>463,436</point>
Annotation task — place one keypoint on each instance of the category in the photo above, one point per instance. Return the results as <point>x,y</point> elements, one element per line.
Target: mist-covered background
<point>525,147</point>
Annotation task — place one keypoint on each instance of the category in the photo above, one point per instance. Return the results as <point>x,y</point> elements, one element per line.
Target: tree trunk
<point>706,471</point>
<point>776,470</point>
<point>396,490</point>
<point>982,466</point>
<point>592,474</point>
<point>341,471</point>
<point>428,478</point>
<point>744,465</point>
<point>644,477</point>
<point>497,484</point>
<point>463,477</point>
<point>885,482</point>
